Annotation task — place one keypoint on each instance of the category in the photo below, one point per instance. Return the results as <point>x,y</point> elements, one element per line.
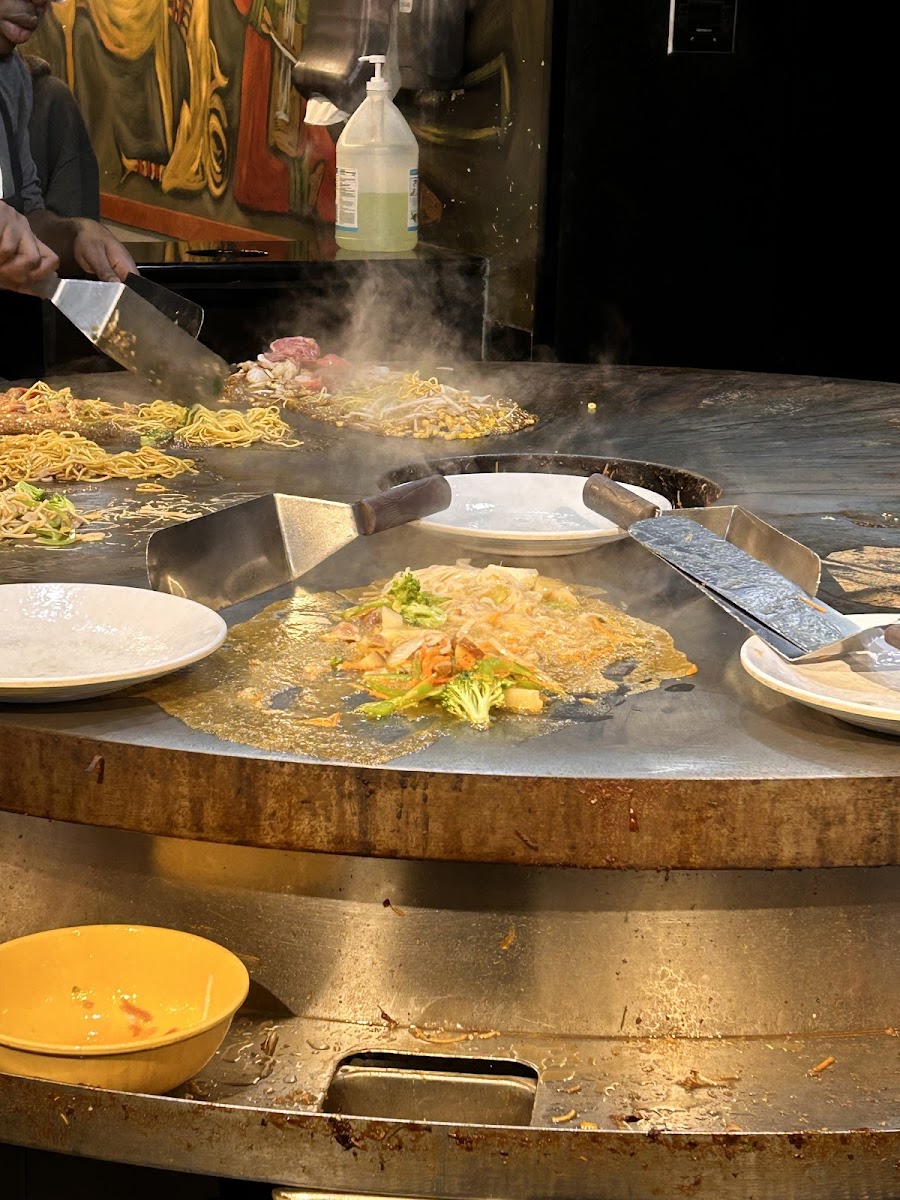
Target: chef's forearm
<point>85,248</point>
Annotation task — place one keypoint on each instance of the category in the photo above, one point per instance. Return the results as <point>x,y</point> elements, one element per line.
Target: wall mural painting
<point>196,126</point>
<point>234,135</point>
<point>281,165</point>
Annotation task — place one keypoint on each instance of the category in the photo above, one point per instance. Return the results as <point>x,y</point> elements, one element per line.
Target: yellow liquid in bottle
<point>382,219</point>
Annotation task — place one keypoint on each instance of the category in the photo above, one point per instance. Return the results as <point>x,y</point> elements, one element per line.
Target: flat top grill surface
<point>771,442</point>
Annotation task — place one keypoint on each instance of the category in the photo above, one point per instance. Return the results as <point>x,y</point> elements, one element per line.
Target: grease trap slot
<point>433,1087</point>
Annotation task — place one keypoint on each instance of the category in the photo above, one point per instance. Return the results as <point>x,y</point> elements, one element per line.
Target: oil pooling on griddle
<point>377,174</point>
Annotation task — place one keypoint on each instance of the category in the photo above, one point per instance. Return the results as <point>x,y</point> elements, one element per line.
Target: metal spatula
<point>132,332</point>
<point>186,314</point>
<point>250,548</point>
<point>763,578</point>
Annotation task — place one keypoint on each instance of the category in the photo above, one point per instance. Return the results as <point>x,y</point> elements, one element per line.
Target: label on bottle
<point>412,224</point>
<point>406,6</point>
<point>347,200</point>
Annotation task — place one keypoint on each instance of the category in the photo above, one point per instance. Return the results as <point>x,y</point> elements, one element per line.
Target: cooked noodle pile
<point>372,398</point>
<point>230,428</point>
<point>405,405</point>
<point>34,457</point>
<point>41,406</point>
<point>29,514</point>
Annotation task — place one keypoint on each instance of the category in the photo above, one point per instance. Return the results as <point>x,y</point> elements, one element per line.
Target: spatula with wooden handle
<point>758,574</point>
<point>250,548</point>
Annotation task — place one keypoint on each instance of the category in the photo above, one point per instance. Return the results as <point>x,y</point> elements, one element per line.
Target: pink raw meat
<point>296,349</point>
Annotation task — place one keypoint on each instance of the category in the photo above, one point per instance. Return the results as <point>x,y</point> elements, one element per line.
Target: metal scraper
<point>186,314</point>
<point>250,548</point>
<point>132,332</point>
<point>763,578</point>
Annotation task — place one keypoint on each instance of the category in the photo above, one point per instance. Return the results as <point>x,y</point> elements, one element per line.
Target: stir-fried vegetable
<point>29,513</point>
<point>386,708</point>
<point>398,641</point>
<point>471,695</point>
<point>481,640</point>
<point>406,597</point>
<point>376,399</point>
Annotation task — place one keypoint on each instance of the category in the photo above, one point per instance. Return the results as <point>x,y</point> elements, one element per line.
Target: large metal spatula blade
<point>761,577</point>
<point>251,548</point>
<point>132,332</point>
<point>186,314</point>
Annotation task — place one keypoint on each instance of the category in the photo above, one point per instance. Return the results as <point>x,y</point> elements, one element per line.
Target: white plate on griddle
<point>525,513</point>
<point>859,689</point>
<point>68,641</point>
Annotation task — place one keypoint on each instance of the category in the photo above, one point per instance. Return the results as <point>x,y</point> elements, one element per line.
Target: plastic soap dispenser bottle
<point>377,173</point>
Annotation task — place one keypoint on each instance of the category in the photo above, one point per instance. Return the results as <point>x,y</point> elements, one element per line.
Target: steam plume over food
<point>376,399</point>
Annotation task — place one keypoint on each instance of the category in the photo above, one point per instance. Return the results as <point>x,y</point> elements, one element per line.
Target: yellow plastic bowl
<point>128,1007</point>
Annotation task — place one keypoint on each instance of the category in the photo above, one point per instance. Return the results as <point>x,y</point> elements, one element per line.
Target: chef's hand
<point>99,253</point>
<point>24,260</point>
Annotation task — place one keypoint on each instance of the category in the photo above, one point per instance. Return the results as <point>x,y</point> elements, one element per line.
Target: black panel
<point>722,210</point>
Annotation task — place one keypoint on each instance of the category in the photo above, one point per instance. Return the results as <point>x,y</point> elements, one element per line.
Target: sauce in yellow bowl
<point>127,1007</point>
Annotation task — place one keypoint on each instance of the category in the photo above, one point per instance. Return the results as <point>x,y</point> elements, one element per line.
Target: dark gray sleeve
<point>66,163</point>
<point>32,198</point>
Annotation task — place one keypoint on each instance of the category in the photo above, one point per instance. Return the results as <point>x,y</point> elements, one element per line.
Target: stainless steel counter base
<point>681,1014</point>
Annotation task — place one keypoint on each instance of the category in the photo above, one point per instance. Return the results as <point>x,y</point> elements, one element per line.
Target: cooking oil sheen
<point>272,685</point>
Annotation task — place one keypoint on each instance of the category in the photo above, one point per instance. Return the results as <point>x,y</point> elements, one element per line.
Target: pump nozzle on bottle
<point>377,83</point>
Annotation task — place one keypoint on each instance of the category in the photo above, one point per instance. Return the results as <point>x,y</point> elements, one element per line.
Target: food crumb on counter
<point>824,1065</point>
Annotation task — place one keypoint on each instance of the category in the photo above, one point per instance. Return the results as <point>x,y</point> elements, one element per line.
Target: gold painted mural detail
<point>196,137</point>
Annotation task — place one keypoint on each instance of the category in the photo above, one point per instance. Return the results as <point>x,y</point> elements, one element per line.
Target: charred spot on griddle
<point>679,687</point>
<point>285,699</point>
<point>619,670</point>
<point>582,707</point>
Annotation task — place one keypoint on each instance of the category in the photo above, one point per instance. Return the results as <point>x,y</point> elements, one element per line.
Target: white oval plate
<point>855,689</point>
<point>519,513</point>
<point>67,641</point>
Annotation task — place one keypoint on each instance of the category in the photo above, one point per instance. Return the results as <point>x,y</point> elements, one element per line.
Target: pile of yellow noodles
<point>30,457</point>
<point>196,426</point>
<point>200,426</point>
<point>48,520</point>
<point>405,405</point>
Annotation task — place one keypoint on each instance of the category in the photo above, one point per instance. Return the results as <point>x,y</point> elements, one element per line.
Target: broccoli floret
<point>424,615</point>
<point>405,596</point>
<point>406,589</point>
<point>30,492</point>
<point>415,606</point>
<point>471,695</point>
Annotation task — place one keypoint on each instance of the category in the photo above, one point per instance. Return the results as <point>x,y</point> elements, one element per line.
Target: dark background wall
<point>724,210</point>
